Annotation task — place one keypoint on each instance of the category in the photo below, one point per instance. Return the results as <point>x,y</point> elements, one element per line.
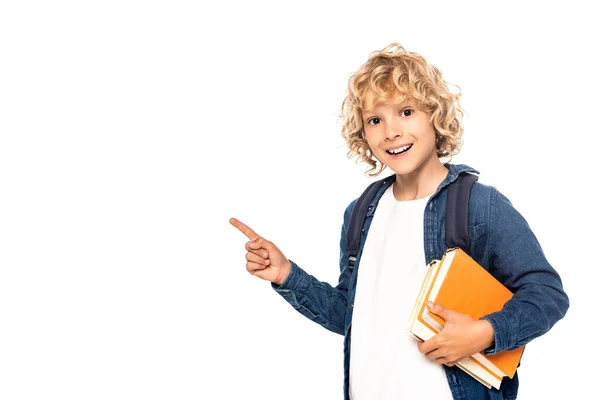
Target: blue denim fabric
<point>501,241</point>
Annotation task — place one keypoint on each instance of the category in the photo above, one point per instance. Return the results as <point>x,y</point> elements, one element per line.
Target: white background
<point>132,131</point>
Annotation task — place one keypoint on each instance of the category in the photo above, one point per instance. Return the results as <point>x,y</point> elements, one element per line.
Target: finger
<point>264,274</point>
<point>253,267</point>
<point>447,314</point>
<point>264,243</point>
<point>245,229</point>
<point>428,345</point>
<point>257,259</point>
<point>438,356</point>
<point>255,248</point>
<point>438,309</point>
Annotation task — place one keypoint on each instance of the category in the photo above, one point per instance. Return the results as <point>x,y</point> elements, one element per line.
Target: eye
<point>403,112</point>
<point>374,121</point>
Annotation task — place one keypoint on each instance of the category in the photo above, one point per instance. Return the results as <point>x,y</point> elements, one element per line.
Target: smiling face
<point>400,135</point>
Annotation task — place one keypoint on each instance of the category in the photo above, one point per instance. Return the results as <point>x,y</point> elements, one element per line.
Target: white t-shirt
<point>385,362</point>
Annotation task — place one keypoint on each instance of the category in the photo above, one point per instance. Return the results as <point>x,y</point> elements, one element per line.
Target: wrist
<point>285,272</point>
<point>487,333</point>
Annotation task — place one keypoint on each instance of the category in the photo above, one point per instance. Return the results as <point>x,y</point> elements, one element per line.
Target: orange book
<point>458,282</point>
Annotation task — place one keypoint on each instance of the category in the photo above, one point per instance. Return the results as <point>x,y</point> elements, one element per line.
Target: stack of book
<point>459,283</point>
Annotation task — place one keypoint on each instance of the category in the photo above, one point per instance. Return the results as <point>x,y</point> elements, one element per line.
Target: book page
<point>429,274</point>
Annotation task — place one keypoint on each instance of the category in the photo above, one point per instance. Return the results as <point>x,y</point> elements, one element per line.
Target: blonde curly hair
<point>387,72</point>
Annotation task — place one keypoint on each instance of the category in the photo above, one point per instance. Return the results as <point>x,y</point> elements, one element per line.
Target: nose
<point>393,131</point>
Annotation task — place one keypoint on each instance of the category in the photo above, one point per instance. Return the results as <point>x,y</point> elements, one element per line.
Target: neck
<point>421,182</point>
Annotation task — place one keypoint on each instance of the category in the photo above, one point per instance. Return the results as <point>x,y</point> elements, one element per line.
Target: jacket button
<point>352,305</point>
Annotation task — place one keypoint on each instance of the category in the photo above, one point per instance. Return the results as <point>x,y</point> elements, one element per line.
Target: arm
<point>538,301</point>
<point>317,300</point>
<point>518,261</point>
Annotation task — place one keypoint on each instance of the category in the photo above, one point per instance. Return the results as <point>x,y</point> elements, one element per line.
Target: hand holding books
<point>460,337</point>
<point>463,292</point>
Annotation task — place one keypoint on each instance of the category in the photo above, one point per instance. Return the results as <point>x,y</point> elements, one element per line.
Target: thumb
<point>274,253</point>
<point>438,309</point>
<point>264,243</point>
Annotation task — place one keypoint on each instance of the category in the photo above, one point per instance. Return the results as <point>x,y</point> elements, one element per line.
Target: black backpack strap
<point>457,211</point>
<point>457,214</point>
<point>357,219</point>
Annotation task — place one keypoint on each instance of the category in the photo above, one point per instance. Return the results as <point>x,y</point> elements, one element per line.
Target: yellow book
<point>459,283</point>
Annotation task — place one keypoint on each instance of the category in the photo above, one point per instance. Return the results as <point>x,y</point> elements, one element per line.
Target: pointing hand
<point>264,259</point>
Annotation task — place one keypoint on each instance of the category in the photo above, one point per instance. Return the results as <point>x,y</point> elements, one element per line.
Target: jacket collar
<point>454,170</point>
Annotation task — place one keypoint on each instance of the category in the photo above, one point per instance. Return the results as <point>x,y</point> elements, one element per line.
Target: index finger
<point>245,229</point>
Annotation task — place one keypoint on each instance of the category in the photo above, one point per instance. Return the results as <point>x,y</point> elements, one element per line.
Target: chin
<point>403,170</point>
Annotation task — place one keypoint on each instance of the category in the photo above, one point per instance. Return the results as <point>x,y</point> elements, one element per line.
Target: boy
<point>399,114</point>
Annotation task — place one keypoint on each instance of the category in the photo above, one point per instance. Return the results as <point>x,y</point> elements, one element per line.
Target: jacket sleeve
<point>316,300</point>
<point>517,260</point>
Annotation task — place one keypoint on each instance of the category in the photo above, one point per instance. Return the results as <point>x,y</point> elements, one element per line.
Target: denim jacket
<point>501,241</point>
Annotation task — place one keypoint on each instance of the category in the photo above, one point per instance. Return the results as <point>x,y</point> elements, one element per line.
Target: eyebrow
<point>407,103</point>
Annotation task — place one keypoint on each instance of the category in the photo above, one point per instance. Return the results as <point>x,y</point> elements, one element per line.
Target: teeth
<point>399,150</point>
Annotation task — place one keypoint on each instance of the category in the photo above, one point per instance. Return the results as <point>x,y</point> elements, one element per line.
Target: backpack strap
<point>457,215</point>
<point>357,219</point>
<point>457,212</point>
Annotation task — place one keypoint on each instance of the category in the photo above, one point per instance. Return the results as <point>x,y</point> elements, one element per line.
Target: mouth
<point>399,150</point>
